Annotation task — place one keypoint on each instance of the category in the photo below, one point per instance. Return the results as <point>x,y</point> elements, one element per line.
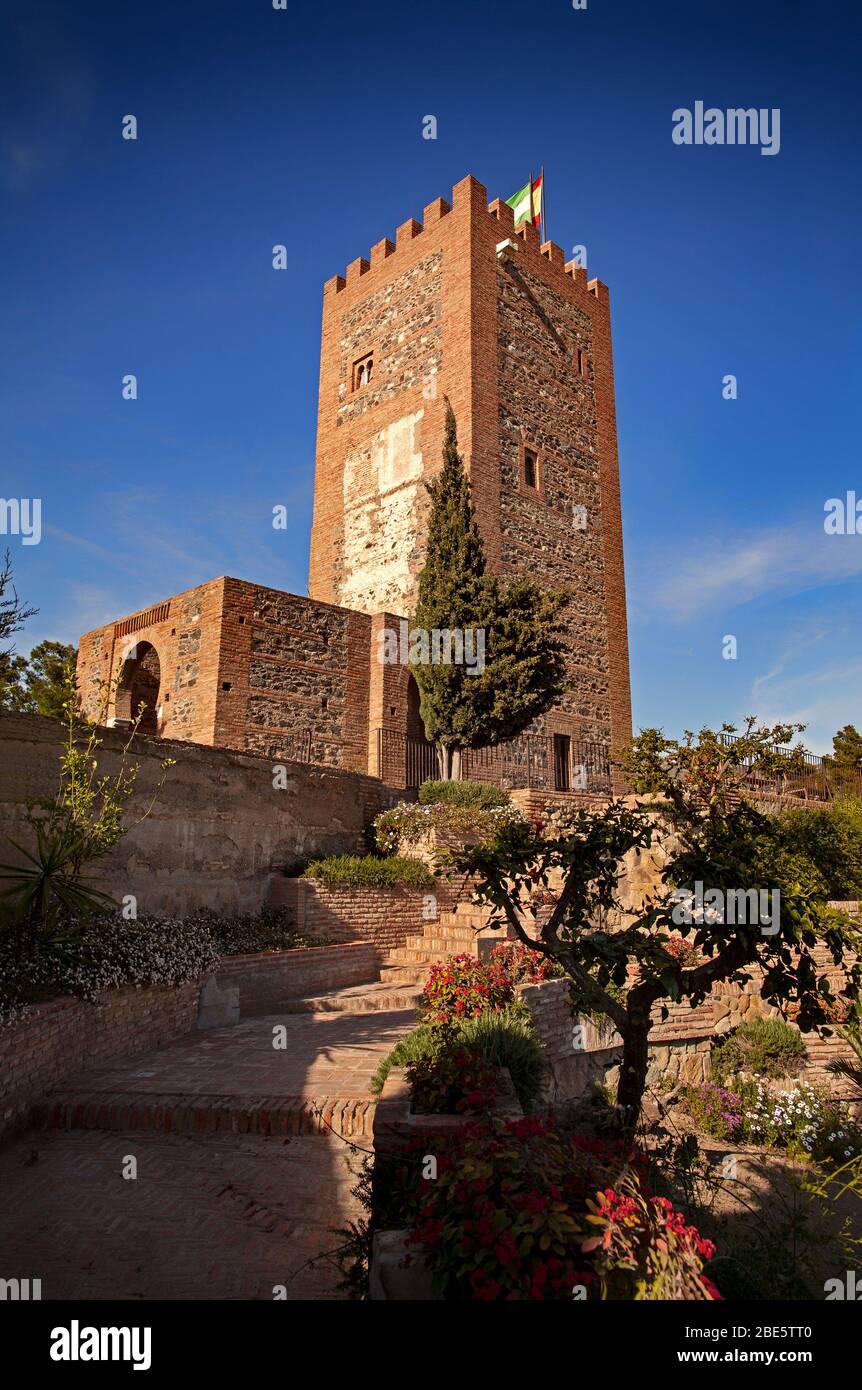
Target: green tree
<point>523,669</point>
<point>45,679</point>
<point>714,836</point>
<point>13,615</point>
<point>12,671</point>
<point>845,764</point>
<point>847,748</point>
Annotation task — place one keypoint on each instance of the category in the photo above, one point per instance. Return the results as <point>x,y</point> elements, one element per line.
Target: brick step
<point>442,945</point>
<point>358,999</point>
<point>204,1114</point>
<point>472,918</point>
<point>455,933</point>
<point>397,976</point>
<point>418,955</point>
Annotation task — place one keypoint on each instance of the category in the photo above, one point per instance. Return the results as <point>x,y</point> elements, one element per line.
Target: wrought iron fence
<point>809,777</point>
<point>525,763</point>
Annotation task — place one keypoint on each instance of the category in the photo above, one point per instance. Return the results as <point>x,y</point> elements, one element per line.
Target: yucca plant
<point>49,887</point>
<point>843,1066</point>
<point>48,895</point>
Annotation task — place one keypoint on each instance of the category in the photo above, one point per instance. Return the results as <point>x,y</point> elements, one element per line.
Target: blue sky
<point>304,127</point>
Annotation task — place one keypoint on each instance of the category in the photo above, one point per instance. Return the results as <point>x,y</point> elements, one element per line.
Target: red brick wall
<point>250,668</point>
<point>68,1035</point>
<point>265,981</point>
<point>384,916</point>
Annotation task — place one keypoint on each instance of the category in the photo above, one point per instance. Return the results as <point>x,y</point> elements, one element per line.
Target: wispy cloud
<point>723,571</point>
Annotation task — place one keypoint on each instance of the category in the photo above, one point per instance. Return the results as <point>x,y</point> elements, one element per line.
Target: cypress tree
<point>524,670</point>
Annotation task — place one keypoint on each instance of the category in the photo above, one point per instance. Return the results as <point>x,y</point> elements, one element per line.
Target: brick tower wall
<point>249,668</point>
<point>185,631</point>
<point>521,345</point>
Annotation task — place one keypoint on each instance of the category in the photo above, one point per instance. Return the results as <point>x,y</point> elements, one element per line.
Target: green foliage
<point>850,1068</point>
<point>246,933</point>
<point>502,1037</point>
<point>506,1038</point>
<point>847,750</point>
<point>483,795</point>
<point>518,1211</point>
<point>825,845</point>
<point>764,1046</point>
<point>13,615</point>
<point>408,823</point>
<point>369,871</point>
<point>524,652</point>
<point>102,952</point>
<point>806,1122</point>
<point>45,678</point>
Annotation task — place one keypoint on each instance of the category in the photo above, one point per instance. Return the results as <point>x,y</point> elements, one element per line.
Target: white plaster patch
<point>381,491</point>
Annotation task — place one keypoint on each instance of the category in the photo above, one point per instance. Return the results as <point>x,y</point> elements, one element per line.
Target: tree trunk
<point>449,762</point>
<point>633,1068</point>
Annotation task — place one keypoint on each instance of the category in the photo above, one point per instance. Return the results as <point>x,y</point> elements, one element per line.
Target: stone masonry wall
<point>218,831</point>
<point>520,344</point>
<point>680,1044</point>
<point>246,667</point>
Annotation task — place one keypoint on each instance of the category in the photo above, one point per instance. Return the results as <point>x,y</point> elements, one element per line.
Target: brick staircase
<point>403,973</point>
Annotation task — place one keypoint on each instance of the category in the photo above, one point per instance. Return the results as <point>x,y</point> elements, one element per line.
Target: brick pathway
<point>209,1217</point>
<point>226,1214</point>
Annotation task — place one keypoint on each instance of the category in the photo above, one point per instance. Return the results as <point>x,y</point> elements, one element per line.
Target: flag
<point>525,208</point>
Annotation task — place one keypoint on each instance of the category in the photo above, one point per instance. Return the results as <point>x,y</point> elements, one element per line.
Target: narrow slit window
<point>531,469</point>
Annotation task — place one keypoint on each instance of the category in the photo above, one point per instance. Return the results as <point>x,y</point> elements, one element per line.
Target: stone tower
<point>464,306</point>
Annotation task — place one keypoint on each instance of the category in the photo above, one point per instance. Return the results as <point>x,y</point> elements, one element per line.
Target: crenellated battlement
<point>469,197</point>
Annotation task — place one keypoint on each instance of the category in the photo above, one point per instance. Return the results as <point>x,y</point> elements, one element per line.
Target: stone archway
<point>415,727</point>
<point>139,685</point>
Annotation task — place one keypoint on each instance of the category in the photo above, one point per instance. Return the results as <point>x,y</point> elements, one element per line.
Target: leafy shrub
<point>427,1039</point>
<point>830,840</point>
<point>369,871</point>
<point>455,1081</point>
<point>408,823</point>
<point>714,1109</point>
<point>805,1122</point>
<point>506,1038</point>
<point>502,1038</point>
<point>466,793</point>
<point>243,934</point>
<point>764,1046</point>
<point>513,1214</point>
<point>461,986</point>
<point>107,953</point>
<point>524,966</point>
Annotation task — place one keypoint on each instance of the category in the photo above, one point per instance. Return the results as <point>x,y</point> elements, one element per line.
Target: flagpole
<point>544,220</point>
<point>530,199</point>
